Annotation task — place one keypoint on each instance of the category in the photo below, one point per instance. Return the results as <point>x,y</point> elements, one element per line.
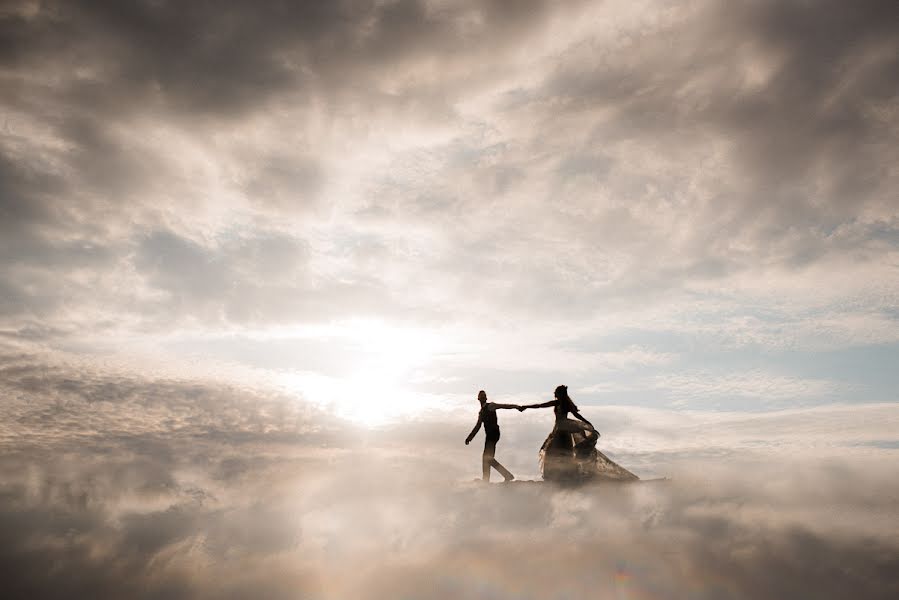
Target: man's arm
<point>495,405</point>
<point>473,431</point>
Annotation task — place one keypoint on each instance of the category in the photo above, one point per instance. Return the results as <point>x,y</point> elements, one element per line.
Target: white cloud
<point>755,384</point>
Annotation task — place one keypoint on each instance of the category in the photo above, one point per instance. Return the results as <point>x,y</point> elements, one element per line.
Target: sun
<point>377,389</point>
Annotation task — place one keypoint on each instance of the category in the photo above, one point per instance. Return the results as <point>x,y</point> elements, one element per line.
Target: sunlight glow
<point>378,391</point>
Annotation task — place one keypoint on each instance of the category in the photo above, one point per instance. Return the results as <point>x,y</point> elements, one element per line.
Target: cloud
<point>762,386</point>
<point>560,165</point>
<point>553,190</point>
<point>192,489</point>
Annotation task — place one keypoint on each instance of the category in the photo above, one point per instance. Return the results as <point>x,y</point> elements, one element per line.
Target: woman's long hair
<point>561,394</point>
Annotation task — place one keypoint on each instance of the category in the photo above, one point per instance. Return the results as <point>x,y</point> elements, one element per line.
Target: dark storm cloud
<point>211,58</point>
<point>536,151</point>
<point>217,59</point>
<point>817,119</point>
<point>804,92</point>
<point>717,142</point>
<point>808,145</point>
<point>81,80</point>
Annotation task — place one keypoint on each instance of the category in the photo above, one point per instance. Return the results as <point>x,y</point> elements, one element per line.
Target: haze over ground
<point>255,258</point>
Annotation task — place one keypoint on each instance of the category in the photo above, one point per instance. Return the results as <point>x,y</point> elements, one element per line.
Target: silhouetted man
<point>487,416</point>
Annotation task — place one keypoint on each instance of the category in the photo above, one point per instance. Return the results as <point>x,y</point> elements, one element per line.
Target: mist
<point>125,486</point>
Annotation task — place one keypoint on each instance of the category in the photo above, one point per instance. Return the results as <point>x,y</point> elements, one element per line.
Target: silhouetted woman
<point>569,443</point>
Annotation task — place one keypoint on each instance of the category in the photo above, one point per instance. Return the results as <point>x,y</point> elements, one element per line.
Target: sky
<point>253,255</point>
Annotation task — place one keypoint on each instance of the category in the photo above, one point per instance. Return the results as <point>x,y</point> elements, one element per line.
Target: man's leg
<point>502,470</point>
<point>495,464</point>
<point>487,459</point>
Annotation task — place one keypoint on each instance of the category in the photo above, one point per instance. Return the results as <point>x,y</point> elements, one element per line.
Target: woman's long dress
<point>569,455</point>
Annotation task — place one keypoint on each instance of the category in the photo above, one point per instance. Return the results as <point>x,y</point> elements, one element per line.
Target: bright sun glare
<point>377,390</point>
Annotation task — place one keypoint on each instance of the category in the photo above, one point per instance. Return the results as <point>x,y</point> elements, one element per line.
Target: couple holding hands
<point>567,437</point>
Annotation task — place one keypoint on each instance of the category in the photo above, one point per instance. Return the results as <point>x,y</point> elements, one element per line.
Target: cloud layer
<point>116,485</point>
<point>611,194</point>
<point>161,162</point>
